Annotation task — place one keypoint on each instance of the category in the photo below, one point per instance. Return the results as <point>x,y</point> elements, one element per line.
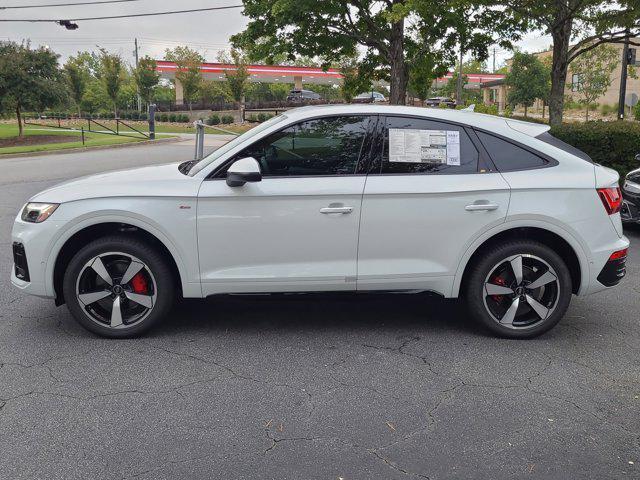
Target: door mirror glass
<point>242,171</point>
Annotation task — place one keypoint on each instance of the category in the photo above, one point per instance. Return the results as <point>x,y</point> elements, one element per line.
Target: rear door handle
<point>484,206</point>
<point>341,210</point>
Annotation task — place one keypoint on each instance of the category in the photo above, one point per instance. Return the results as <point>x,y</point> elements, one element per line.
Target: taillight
<point>617,255</point>
<point>611,199</point>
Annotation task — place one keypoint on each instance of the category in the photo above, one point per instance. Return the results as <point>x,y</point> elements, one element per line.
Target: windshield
<point>199,165</point>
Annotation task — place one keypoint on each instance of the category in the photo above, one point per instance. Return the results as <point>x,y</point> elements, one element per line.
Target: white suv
<point>350,198</point>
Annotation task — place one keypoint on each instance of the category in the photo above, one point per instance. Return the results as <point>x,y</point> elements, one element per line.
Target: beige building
<point>497,91</point>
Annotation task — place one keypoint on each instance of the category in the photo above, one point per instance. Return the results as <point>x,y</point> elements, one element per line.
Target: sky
<point>207,32</point>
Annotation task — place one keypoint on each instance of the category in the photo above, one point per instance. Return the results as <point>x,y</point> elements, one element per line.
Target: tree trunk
<point>115,110</point>
<point>587,113</point>
<point>399,71</point>
<point>544,104</point>
<point>560,62</point>
<point>525,111</point>
<point>18,114</point>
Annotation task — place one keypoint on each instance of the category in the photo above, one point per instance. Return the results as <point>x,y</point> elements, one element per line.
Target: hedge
<point>612,144</point>
<point>213,120</point>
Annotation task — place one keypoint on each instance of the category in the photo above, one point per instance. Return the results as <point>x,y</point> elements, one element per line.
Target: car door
<point>421,212</point>
<point>297,228</point>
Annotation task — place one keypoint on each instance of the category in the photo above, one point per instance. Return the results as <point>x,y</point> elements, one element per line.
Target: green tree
<point>423,74</point>
<point>390,36</point>
<point>76,78</point>
<point>575,26</point>
<point>94,98</point>
<point>355,79</point>
<point>112,75</point>
<point>527,80</point>
<point>594,70</point>
<point>29,79</point>
<point>210,91</point>
<point>236,79</point>
<point>188,72</point>
<point>146,78</point>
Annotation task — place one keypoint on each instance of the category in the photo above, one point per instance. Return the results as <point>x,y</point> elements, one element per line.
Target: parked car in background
<point>437,101</point>
<point>370,97</point>
<point>335,198</point>
<point>631,197</point>
<point>302,95</point>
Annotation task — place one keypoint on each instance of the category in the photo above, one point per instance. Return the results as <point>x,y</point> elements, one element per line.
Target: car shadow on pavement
<point>319,312</point>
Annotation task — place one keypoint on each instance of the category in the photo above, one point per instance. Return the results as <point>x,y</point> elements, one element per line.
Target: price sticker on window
<point>441,147</point>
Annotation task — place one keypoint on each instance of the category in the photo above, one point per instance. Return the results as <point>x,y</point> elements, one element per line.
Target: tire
<point>518,309</point>
<point>106,303</point>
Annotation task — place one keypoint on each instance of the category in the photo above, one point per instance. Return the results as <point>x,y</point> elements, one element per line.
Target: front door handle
<point>481,206</point>
<point>340,210</point>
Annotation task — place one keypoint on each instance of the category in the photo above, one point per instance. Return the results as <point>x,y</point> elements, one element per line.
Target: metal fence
<point>121,127</point>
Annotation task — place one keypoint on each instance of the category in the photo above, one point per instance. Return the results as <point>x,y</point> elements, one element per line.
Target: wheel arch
<point>83,234</point>
<point>554,237</point>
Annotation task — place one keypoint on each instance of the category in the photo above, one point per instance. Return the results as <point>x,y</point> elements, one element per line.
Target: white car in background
<point>336,198</point>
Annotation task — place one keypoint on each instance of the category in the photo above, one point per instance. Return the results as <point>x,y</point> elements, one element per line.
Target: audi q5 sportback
<point>336,198</point>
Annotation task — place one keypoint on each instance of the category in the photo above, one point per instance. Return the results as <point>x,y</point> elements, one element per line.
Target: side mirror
<point>637,157</point>
<point>242,171</point>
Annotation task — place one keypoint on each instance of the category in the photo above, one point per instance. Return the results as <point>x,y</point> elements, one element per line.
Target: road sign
<point>631,99</point>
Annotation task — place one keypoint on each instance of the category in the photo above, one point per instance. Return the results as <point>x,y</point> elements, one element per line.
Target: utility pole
<point>135,52</point>
<point>623,78</point>
<point>494,60</point>
<point>459,82</point>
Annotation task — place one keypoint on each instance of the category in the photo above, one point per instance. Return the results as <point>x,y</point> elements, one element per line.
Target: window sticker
<point>424,146</point>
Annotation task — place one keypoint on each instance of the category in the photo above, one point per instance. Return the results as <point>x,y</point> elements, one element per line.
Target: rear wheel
<point>118,287</point>
<point>519,289</point>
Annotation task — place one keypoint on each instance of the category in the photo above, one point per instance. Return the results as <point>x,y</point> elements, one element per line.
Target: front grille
<point>20,262</point>
<point>613,272</point>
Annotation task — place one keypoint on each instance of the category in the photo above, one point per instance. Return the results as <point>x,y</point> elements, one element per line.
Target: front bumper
<point>32,243</point>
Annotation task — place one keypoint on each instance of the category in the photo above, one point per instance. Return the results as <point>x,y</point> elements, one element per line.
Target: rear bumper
<point>613,272</point>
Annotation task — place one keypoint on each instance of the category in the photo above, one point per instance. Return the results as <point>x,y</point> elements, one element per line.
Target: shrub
<point>227,119</point>
<point>135,115</point>
<point>612,144</point>
<point>173,117</point>
<point>213,119</point>
<point>262,117</point>
<point>184,118</point>
<point>636,111</point>
<point>144,116</point>
<point>508,111</point>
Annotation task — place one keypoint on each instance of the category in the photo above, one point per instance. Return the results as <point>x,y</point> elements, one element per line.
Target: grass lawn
<point>8,130</point>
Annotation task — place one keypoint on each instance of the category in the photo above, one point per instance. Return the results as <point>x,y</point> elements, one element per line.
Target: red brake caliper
<point>139,283</point>
<point>498,281</point>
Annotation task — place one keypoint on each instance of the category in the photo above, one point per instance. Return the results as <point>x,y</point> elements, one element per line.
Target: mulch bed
<point>37,140</point>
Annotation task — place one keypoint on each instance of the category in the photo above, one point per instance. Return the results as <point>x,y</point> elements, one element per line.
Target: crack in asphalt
<point>397,468</point>
<point>232,371</point>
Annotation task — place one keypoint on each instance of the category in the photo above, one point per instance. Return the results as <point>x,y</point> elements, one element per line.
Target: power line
<point>11,7</point>
<point>152,14</point>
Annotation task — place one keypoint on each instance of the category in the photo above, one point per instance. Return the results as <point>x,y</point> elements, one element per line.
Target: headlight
<point>632,186</point>
<point>38,212</point>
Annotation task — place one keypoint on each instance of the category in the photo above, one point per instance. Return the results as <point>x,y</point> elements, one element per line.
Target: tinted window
<point>509,157</point>
<point>427,162</point>
<point>324,146</point>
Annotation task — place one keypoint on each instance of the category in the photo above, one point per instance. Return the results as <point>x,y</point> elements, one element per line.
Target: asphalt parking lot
<point>313,387</point>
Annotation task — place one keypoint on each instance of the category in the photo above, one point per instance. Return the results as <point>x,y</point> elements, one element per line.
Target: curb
<point>87,149</point>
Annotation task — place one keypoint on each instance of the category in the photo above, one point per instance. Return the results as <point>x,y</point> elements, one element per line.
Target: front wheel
<point>118,287</point>
<point>519,289</point>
